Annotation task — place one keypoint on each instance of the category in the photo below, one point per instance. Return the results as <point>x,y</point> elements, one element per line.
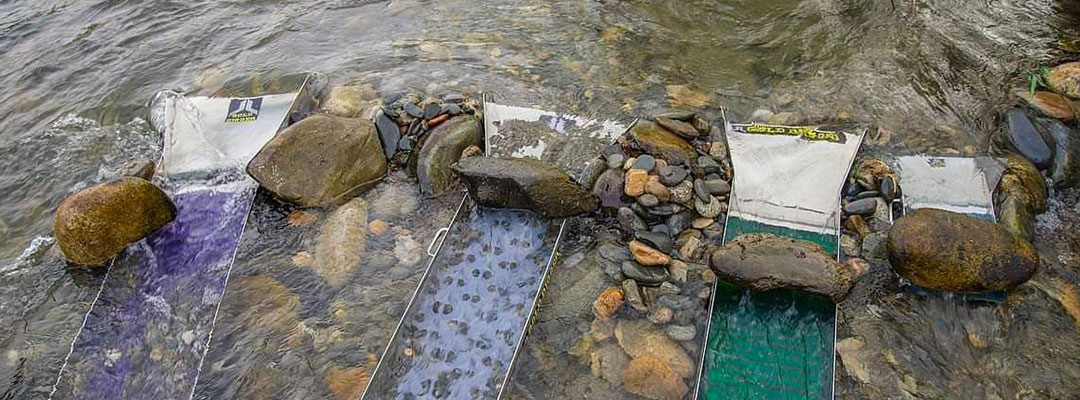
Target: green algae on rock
<point>442,148</point>
<point>320,160</point>
<point>955,252</point>
<point>93,225</point>
<point>1022,179</point>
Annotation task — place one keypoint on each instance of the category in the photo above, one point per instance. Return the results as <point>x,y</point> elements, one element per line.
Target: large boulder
<point>641,339</point>
<point>956,252</point>
<point>524,183</point>
<point>651,138</point>
<point>1022,180</point>
<point>320,160</point>
<point>93,225</point>
<point>442,148</point>
<point>766,262</point>
<point>1065,79</point>
<point>649,377</point>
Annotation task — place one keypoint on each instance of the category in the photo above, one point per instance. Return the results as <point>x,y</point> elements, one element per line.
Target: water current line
<point>86,316</point>
<point>225,285</point>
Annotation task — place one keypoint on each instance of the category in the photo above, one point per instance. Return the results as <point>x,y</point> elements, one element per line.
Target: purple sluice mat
<point>146,334</point>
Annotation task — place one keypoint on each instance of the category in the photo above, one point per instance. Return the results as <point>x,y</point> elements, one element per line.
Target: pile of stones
<point>405,118</point>
<point>667,183</point>
<point>868,209</point>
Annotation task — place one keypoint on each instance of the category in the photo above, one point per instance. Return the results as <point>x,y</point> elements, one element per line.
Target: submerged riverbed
<point>926,76</point>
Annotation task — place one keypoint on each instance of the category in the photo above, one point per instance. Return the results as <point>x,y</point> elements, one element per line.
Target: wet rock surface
<point>1023,137</point>
<point>320,160</point>
<point>1065,79</point>
<point>93,225</point>
<point>767,262</point>
<point>954,252</point>
<point>1022,180</point>
<point>1066,170</point>
<point>441,149</point>
<point>526,184</point>
<point>653,139</point>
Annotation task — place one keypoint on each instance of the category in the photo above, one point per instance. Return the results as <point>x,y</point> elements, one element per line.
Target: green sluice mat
<point>770,345</point>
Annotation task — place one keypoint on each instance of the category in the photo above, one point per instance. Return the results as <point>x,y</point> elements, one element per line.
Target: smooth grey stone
<point>393,97</point>
<point>664,209</point>
<point>453,97</point>
<point>405,144</point>
<point>1025,138</point>
<point>677,115</point>
<point>614,270</point>
<point>452,109</point>
<point>644,213</point>
<point>717,187</point>
<point>681,333</point>
<point>615,161</point>
<point>853,189</point>
<point>862,206</point>
<point>661,228</point>
<point>414,110</point>
<point>667,288</point>
<point>648,200</point>
<point>389,134</point>
<point>1066,170</point>
<point>680,221</point>
<point>648,276</point>
<point>659,241</point>
<point>629,220</point>
<point>389,111</point>
<point>708,164</point>
<point>889,188</point>
<point>671,175</point>
<point>676,302</point>
<point>701,191</point>
<point>868,194</point>
<point>613,252</point>
<point>416,126</point>
<point>432,110</point>
<point>713,176</point>
<point>645,162</point>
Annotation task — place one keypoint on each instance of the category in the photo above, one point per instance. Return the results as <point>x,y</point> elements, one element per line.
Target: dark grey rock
<point>659,241</point>
<point>441,149</point>
<point>392,98</point>
<point>645,162</point>
<point>593,169</point>
<point>664,209</point>
<point>405,144</point>
<point>613,252</point>
<point>451,109</point>
<point>432,110</point>
<point>684,129</point>
<point>613,270</point>
<point>889,188</point>
<point>1024,137</point>
<point>660,228</point>
<point>648,200</point>
<point>853,189</point>
<point>701,190</point>
<point>678,302</point>
<point>609,188</point>
<point>633,295</point>
<point>709,165</point>
<point>648,276</point>
<point>875,246</point>
<point>389,134</point>
<point>630,221</point>
<point>680,222</point>
<point>453,97</point>
<point>862,206</point>
<point>389,111</point>
<point>671,175</point>
<point>524,183</point>
<point>868,194</point>
<point>1066,170</point>
<point>717,187</point>
<point>414,110</point>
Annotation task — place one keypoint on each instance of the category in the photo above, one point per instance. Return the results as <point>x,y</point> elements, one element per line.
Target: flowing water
<point>926,75</point>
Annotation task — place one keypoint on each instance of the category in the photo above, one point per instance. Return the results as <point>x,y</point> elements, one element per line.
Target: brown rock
<point>1022,180</point>
<point>655,188</point>
<point>340,245</point>
<point>378,227</point>
<point>320,160</point>
<point>347,384</point>
<point>677,127</point>
<point>633,295</point>
<point>857,224</point>
<point>646,255</point>
<point>1050,104</point>
<point>471,151</point>
<point>301,218</point>
<point>524,183</point>
<point>955,252</point>
<point>649,377</point>
<point>1065,79</point>
<point>640,339</point>
<point>651,138</point>
<point>635,182</point>
<point>441,148</point>
<point>608,303</point>
<point>766,262</point>
<point>140,169</point>
<point>93,225</point>
<point>608,362</point>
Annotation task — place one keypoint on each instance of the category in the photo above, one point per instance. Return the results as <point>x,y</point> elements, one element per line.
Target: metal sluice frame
<point>437,244</point>
<point>701,376</point>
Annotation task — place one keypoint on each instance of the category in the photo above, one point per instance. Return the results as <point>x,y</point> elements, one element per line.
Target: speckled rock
<point>1065,79</point>
<point>955,252</point>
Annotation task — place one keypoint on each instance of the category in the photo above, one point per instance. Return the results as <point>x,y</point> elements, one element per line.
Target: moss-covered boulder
<point>93,225</point>
<point>1022,180</point>
<point>442,148</point>
<point>320,160</point>
<point>659,142</point>
<point>766,262</point>
<point>956,252</point>
<point>524,183</point>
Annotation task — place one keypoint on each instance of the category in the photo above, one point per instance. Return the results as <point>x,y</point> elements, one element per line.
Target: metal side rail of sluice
<point>462,330</point>
<point>777,344</point>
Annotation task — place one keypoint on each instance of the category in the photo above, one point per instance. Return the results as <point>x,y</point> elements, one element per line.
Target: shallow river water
<point>924,75</point>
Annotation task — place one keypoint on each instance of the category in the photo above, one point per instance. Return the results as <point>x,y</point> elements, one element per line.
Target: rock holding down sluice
<point>766,262</point>
<point>526,184</point>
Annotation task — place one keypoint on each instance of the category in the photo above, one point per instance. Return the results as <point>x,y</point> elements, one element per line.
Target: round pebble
<point>671,175</point>
<point>645,162</point>
<point>701,190</point>
<point>648,200</point>
<point>615,161</point>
